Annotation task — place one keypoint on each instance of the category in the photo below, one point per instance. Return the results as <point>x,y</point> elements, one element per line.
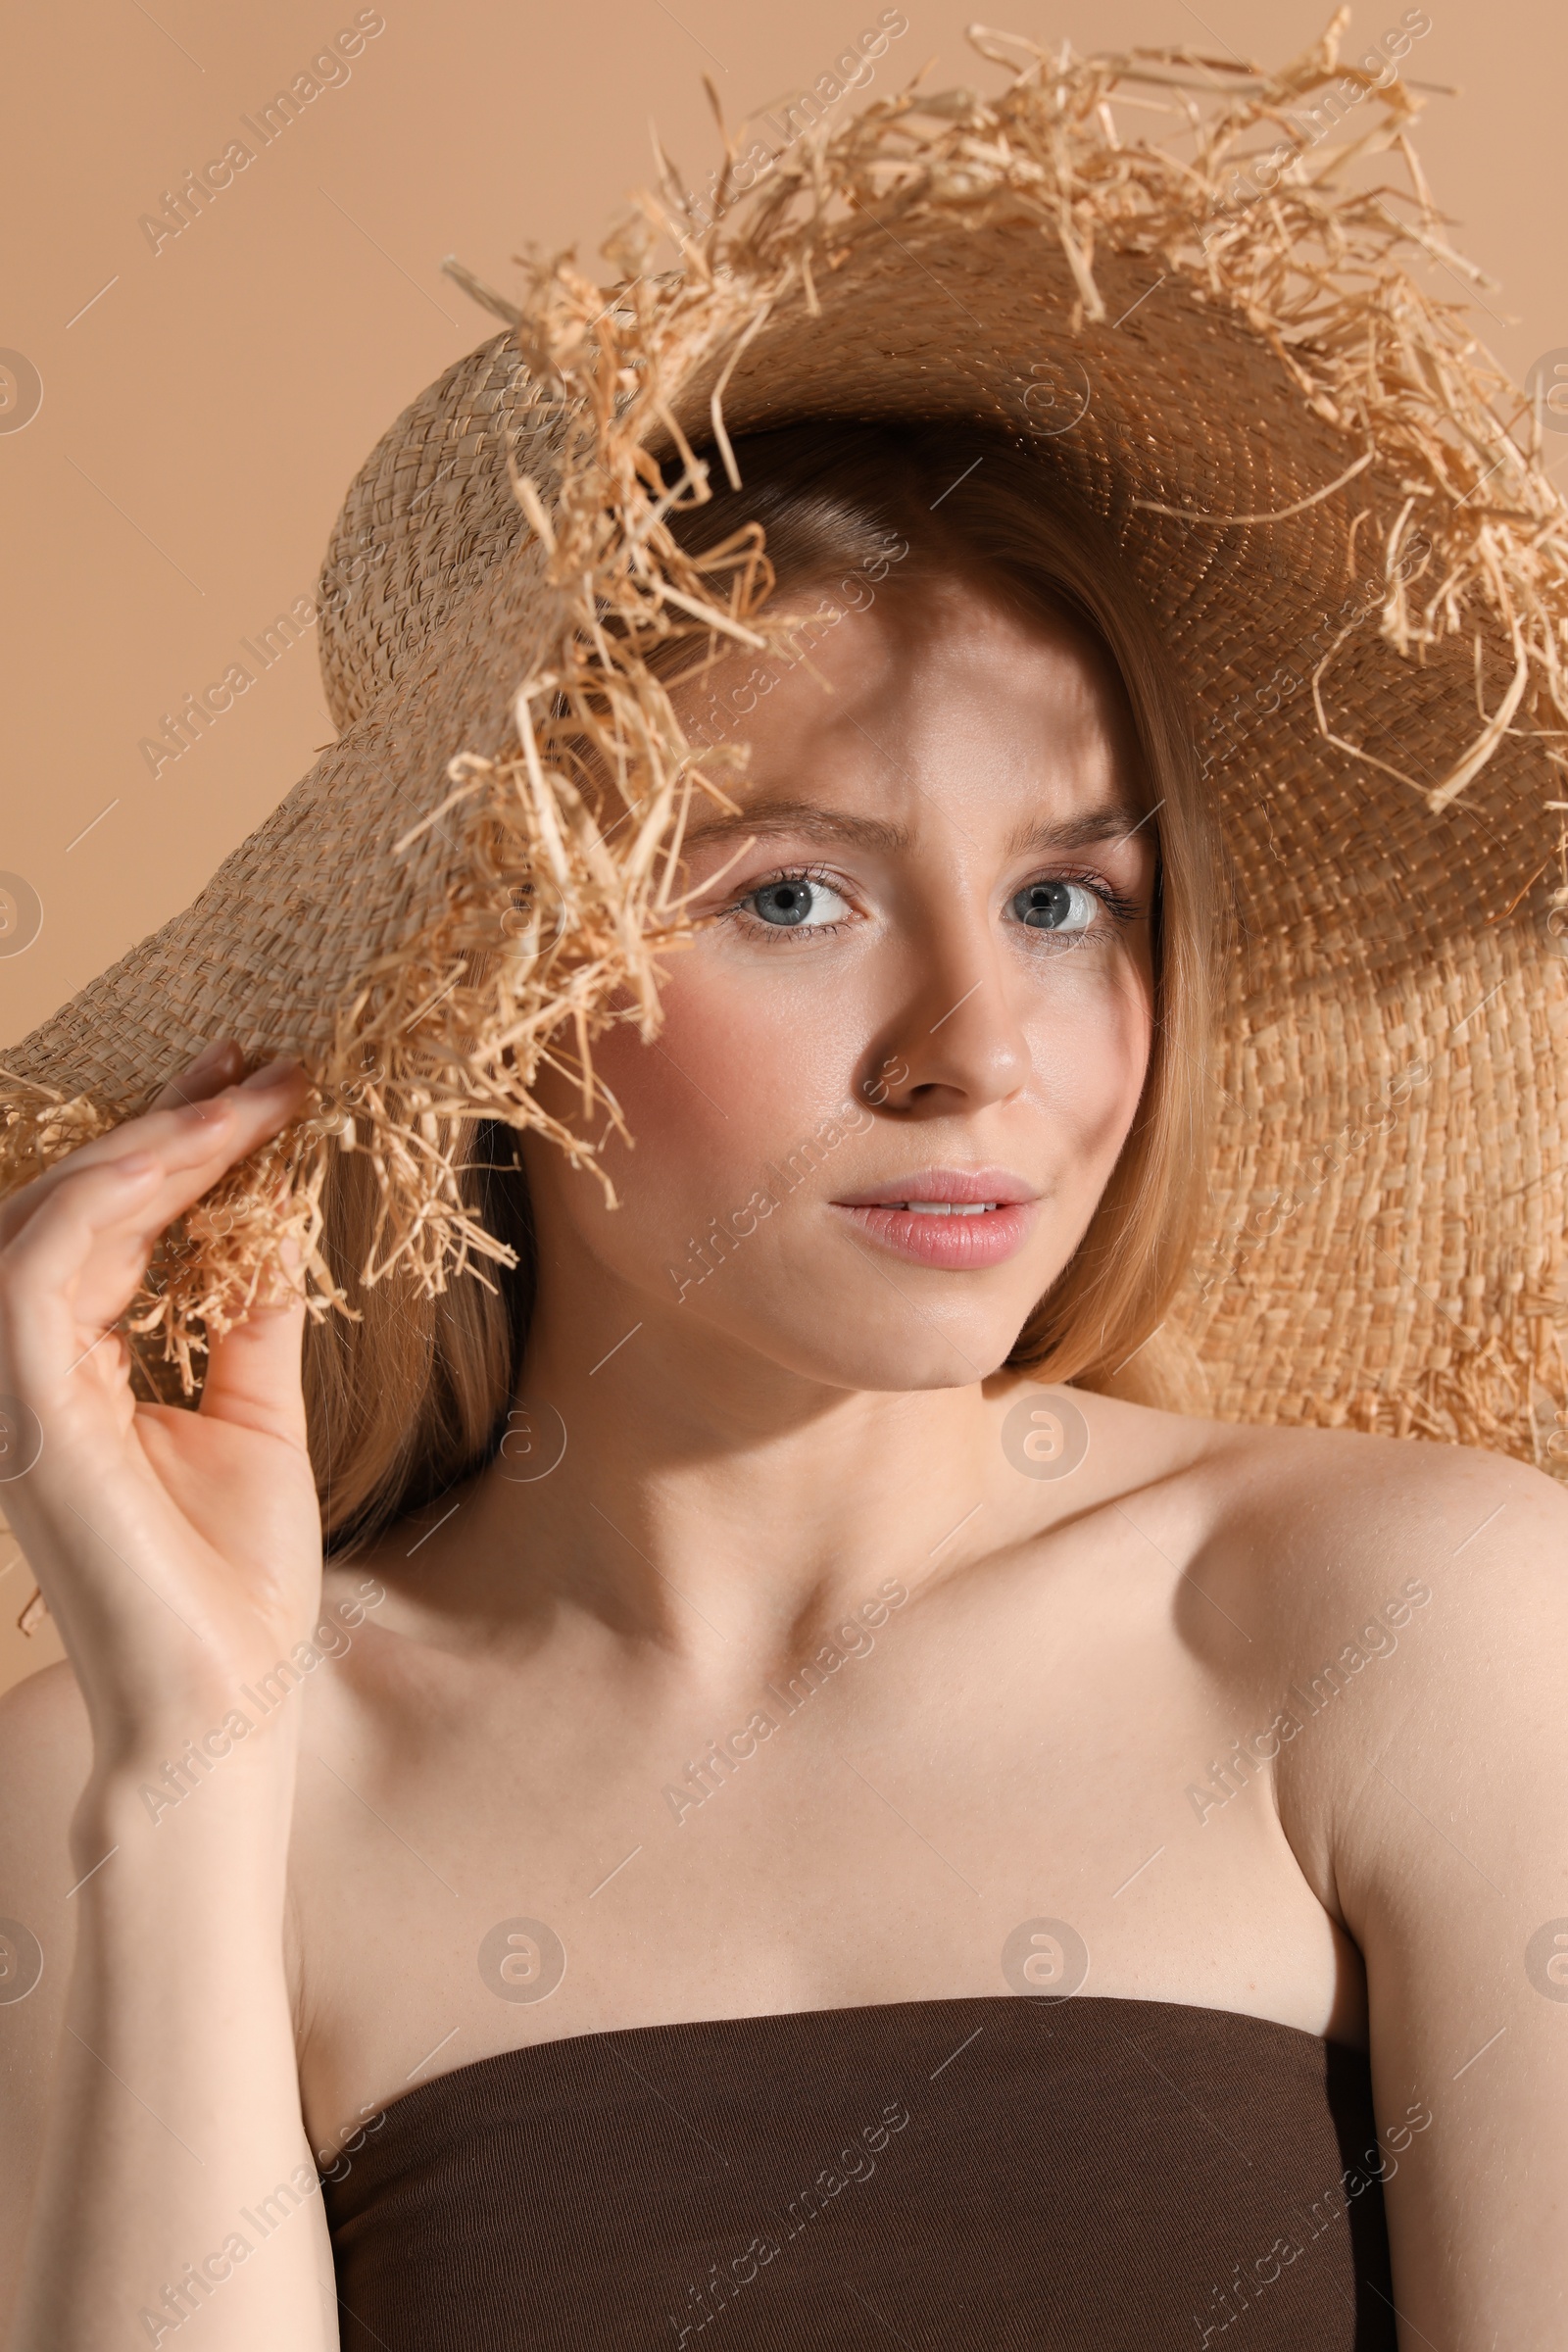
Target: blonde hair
<point>414,1396</point>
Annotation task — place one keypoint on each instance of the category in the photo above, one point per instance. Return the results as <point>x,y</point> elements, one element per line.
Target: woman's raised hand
<point>178,1552</point>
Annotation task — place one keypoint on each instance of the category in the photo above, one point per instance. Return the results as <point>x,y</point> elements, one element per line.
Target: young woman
<point>807,1829</point>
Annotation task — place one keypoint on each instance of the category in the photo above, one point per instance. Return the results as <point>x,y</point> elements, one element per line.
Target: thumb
<point>254,1377</point>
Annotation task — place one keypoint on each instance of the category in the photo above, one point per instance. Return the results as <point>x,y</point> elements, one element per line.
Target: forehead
<point>937,701</point>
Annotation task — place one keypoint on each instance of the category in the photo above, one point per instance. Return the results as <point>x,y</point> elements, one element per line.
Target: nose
<point>958,1045</point>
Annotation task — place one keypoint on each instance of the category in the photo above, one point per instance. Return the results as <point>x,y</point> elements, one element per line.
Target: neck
<point>689,1491</point>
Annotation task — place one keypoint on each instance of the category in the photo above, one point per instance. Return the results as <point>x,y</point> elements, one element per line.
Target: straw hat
<point>1213,343</point>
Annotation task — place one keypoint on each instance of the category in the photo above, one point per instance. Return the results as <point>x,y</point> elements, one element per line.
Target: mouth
<point>940,1209</point>
<point>959,1220</point>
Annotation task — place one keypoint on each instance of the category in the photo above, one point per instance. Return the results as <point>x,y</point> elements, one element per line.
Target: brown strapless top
<point>981,2175</point>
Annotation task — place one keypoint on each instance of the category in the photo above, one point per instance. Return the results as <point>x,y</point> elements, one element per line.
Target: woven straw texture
<point>1334,504</point>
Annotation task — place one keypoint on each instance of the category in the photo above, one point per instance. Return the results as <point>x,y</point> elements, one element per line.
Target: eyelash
<point>737,912</point>
<point>1120,908</point>
<point>1115,902</point>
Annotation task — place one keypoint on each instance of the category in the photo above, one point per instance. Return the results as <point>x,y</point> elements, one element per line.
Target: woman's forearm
<point>176,2180</point>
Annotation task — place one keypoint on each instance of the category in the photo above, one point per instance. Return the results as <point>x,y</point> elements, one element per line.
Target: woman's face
<point>903,1052</point>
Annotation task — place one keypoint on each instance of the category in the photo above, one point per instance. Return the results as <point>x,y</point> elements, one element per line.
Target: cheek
<point>737,1076</point>
<point>1089,1049</point>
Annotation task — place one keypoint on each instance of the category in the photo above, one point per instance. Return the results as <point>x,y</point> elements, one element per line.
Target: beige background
<point>203,406</point>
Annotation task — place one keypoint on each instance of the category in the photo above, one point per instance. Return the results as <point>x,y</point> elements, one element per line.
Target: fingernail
<point>270,1073</point>
<point>210,1056</point>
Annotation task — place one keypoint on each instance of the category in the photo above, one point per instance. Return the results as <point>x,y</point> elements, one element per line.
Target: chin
<point>846,1315</point>
<point>934,1363</point>
<point>883,1350</point>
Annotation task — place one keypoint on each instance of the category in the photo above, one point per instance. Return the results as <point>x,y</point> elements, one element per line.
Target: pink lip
<point>944,1184</point>
<point>954,1244</point>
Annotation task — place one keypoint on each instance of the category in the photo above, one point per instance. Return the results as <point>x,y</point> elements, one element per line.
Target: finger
<point>100,1212</point>
<point>253,1374</point>
<point>217,1065</point>
<point>199,1142</point>
<point>209,1140</point>
<point>195,1142</point>
<point>201,1139</point>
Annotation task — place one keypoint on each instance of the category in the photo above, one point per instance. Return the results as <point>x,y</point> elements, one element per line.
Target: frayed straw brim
<point>1308,465</point>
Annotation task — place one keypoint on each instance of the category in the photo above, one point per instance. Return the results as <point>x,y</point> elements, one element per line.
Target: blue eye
<point>784,902</point>
<point>1055,907</point>
<point>794,903</point>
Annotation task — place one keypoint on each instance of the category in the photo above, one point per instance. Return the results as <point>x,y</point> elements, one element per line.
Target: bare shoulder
<point>1330,1525</point>
<point>1305,1528</point>
<point>1408,1608</point>
<point>1356,1599</point>
<point>1315,1523</point>
<point>1302,1524</point>
<point>1370,1492</point>
<point>1416,1599</point>
<point>1332,1536</point>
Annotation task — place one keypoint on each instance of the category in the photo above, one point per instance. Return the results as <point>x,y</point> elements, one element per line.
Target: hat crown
<point>426,517</point>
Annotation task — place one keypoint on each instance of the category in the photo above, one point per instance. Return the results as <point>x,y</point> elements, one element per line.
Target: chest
<point>490,1852</point>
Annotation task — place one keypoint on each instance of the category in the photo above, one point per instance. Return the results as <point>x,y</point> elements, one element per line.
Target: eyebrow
<point>1112,822</point>
<point>800,816</point>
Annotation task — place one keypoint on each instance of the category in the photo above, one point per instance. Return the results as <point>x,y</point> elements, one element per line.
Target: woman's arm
<point>1447,1804</point>
<point>152,2103</point>
<point>178,1552</point>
